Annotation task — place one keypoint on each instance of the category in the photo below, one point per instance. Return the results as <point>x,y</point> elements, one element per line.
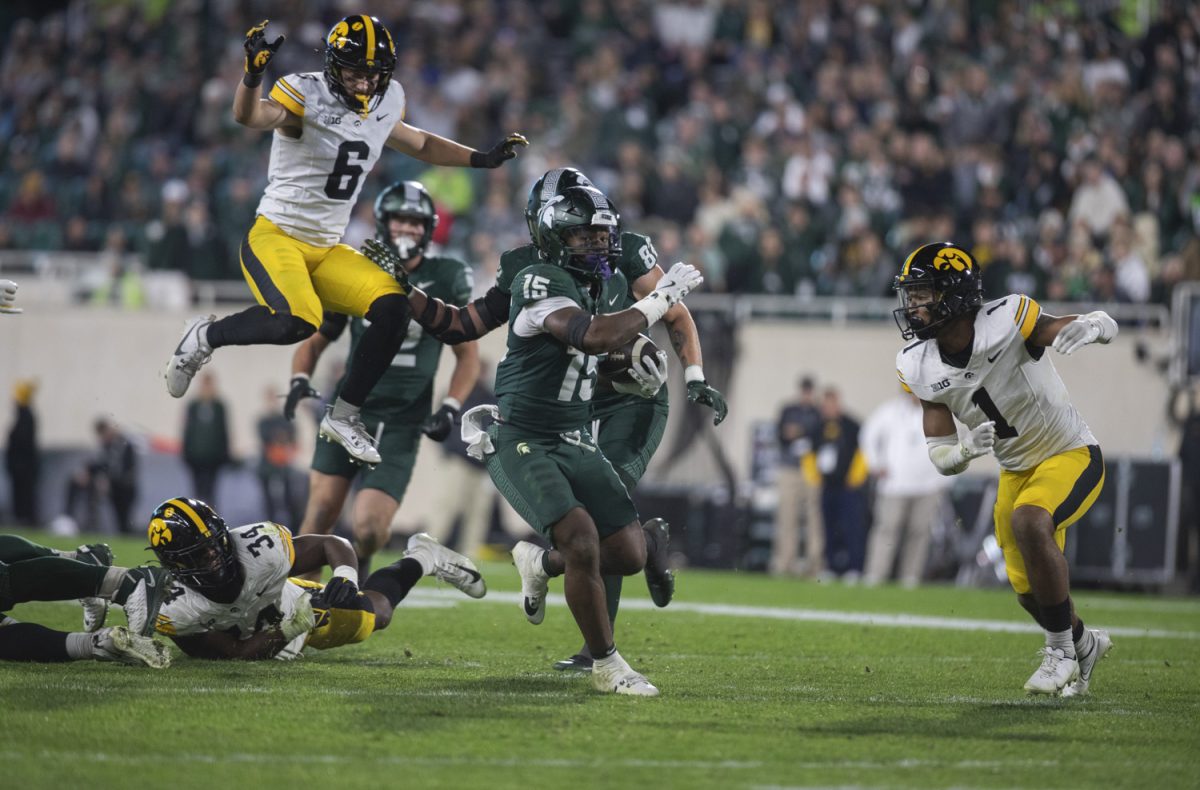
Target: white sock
<point>1061,640</point>
<point>112,581</point>
<point>342,410</point>
<point>80,646</point>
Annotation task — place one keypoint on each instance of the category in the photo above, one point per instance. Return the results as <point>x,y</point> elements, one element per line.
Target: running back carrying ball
<point>616,366</point>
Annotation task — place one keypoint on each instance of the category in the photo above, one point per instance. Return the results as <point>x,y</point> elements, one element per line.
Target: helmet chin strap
<point>406,247</point>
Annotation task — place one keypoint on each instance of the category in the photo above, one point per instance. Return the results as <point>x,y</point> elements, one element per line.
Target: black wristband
<point>478,159</point>
<point>252,80</point>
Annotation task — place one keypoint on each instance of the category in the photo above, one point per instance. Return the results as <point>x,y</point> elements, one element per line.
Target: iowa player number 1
<point>343,181</point>
<point>984,401</point>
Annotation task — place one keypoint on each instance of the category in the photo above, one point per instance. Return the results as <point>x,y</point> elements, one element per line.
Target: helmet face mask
<point>551,184</point>
<point>193,542</point>
<point>580,230</point>
<point>938,283</point>
<point>359,46</point>
<point>405,200</point>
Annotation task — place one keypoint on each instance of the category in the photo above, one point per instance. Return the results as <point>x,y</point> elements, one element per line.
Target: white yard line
<point>437,597</point>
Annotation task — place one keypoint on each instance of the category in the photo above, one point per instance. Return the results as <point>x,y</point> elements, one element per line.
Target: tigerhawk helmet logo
<point>160,533</point>
<point>951,258</point>
<point>337,36</point>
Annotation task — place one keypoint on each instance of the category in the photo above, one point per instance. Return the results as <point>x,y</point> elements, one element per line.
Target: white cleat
<point>535,582</point>
<point>613,675</point>
<point>118,644</point>
<point>447,565</point>
<point>95,612</point>
<point>1102,643</point>
<point>352,435</point>
<point>1055,674</point>
<point>141,607</point>
<point>189,356</point>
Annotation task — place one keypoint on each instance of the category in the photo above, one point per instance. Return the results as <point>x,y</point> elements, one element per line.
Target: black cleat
<point>580,662</point>
<point>660,579</point>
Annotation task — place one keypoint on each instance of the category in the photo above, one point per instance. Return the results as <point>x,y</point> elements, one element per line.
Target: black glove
<point>437,426</point>
<point>339,593</point>
<point>301,388</point>
<point>385,257</point>
<point>700,392</point>
<point>258,51</point>
<point>501,152</point>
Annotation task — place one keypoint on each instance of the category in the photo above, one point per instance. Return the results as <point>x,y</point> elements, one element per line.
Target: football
<point>615,367</point>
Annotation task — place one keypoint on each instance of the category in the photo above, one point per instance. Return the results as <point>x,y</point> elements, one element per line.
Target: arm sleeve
<point>946,454</point>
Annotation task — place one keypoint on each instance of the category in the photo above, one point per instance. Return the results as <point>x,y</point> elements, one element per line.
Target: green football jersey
<point>543,385</point>
<point>405,392</point>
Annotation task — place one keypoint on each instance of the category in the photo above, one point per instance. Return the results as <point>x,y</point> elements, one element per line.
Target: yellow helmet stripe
<point>908,261</point>
<point>193,515</point>
<point>370,36</point>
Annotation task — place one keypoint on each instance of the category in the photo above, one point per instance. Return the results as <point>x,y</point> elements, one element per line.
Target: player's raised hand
<point>299,389</point>
<point>8,297</point>
<point>258,51</point>
<point>385,257</point>
<point>680,280</point>
<point>500,153</point>
<point>1095,327</point>
<point>979,440</point>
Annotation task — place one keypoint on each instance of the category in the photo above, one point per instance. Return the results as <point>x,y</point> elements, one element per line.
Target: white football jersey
<point>1006,381</point>
<point>265,552</point>
<point>314,179</point>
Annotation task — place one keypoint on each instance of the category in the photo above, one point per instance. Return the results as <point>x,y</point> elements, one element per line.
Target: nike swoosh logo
<point>381,117</point>
<point>530,609</point>
<point>149,581</point>
<point>993,357</point>
<point>613,301</point>
<point>473,574</point>
<point>424,285</point>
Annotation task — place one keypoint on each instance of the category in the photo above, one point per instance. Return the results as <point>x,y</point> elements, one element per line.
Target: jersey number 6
<point>343,181</point>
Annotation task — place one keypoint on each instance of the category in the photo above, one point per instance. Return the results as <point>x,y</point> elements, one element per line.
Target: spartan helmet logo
<point>546,218</point>
<point>160,533</point>
<point>337,36</point>
<point>951,258</point>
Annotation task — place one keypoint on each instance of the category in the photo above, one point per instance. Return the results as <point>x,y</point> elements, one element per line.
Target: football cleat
<point>447,565</point>
<point>660,579</point>
<point>535,582</point>
<point>141,603</point>
<point>1101,644</point>
<point>580,662</point>
<point>95,610</point>
<point>352,435</point>
<point>1055,673</point>
<point>613,675</point>
<point>190,355</point>
<point>118,644</point>
<point>95,554</point>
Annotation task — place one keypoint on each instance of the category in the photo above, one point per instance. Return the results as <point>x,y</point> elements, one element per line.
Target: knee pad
<point>390,312</point>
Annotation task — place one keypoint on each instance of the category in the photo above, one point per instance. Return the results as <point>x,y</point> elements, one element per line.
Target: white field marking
<point>90,688</point>
<point>293,758</point>
<point>1163,606</point>
<point>417,599</point>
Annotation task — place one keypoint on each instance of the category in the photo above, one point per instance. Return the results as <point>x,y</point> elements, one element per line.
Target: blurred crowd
<point>784,147</point>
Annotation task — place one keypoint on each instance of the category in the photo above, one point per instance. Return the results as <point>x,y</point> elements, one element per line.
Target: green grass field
<point>765,683</point>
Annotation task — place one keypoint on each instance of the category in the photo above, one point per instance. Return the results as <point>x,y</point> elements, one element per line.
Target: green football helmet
<point>580,230</point>
<point>405,199</point>
<point>552,183</point>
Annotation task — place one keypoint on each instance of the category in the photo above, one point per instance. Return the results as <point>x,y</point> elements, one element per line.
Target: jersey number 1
<point>984,401</point>
<point>343,181</point>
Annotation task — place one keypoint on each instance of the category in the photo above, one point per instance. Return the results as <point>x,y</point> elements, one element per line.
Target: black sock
<point>612,595</point>
<point>553,574</point>
<point>389,316</point>
<point>604,653</point>
<point>257,326</point>
<point>32,642</point>
<point>1057,617</point>
<point>14,549</point>
<point>54,579</point>
<point>1077,631</point>
<point>394,581</point>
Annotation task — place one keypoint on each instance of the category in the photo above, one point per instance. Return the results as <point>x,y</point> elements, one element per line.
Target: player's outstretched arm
<point>436,150</point>
<point>314,552</point>
<point>220,646</point>
<point>1069,333</point>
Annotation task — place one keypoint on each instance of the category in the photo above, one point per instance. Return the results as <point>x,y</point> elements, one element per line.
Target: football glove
<point>339,593</point>
<point>648,381</point>
<point>8,295</point>
<point>700,392</point>
<point>438,425</point>
<point>385,257</point>
<point>1095,327</point>
<point>501,152</point>
<point>979,440</point>
<point>301,620</point>
<point>258,51</point>
<point>300,389</point>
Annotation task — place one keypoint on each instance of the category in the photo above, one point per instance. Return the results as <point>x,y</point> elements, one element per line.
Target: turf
<point>806,692</point>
